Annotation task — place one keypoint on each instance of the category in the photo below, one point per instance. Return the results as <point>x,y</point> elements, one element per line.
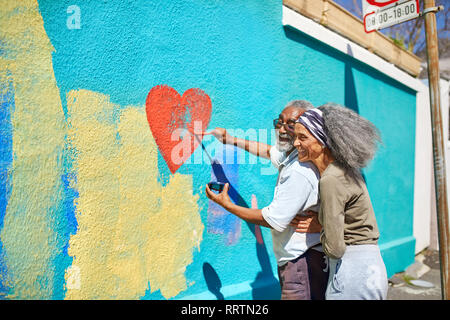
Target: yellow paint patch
<point>131,230</point>
<point>29,239</point>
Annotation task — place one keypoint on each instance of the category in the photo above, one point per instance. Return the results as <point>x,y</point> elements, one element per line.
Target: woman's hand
<point>222,199</point>
<point>221,135</point>
<point>306,224</point>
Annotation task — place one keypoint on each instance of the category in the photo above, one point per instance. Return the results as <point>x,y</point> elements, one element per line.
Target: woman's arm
<point>257,148</point>
<point>331,216</point>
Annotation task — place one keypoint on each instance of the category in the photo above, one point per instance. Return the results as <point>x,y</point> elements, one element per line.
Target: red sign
<point>380,3</point>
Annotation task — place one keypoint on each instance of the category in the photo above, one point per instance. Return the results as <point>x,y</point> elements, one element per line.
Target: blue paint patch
<point>152,295</point>
<point>225,168</point>
<point>7,105</point>
<point>164,173</point>
<point>2,48</point>
<point>67,225</point>
<point>70,195</point>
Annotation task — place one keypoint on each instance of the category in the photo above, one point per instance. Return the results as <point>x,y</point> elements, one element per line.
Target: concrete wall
<point>445,104</point>
<point>424,182</point>
<point>98,202</point>
<point>425,210</point>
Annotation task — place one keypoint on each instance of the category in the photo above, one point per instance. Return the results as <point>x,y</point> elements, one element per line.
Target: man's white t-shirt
<point>297,191</point>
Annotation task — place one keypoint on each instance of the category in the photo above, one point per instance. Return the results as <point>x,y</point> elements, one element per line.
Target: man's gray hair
<point>301,104</point>
<point>353,140</point>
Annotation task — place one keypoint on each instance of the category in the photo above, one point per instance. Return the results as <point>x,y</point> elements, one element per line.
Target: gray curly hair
<point>353,140</point>
<point>301,104</point>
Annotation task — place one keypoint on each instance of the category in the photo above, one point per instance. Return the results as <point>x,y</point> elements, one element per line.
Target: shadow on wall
<point>350,64</point>
<point>212,281</point>
<point>351,98</point>
<point>265,286</point>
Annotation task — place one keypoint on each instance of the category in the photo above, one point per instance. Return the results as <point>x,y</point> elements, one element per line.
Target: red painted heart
<point>173,118</point>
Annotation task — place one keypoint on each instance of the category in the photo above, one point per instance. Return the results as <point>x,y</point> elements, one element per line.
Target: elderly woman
<point>340,143</point>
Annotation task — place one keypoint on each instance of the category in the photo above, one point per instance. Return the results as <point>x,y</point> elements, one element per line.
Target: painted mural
<point>182,118</point>
<point>103,158</point>
<point>103,164</point>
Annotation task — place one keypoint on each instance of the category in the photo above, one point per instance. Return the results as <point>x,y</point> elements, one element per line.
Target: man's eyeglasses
<point>289,125</point>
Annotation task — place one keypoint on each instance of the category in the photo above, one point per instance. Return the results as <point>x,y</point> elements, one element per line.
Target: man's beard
<point>283,146</point>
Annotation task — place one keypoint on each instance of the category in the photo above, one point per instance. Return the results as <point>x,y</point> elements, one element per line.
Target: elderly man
<point>302,265</point>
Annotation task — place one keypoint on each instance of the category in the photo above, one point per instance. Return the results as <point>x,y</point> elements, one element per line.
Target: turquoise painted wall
<point>250,66</point>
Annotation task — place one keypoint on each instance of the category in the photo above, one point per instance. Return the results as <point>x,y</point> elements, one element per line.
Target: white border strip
<point>319,32</point>
<point>423,178</point>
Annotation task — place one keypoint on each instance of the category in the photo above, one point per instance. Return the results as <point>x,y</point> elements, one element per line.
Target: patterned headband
<point>313,121</point>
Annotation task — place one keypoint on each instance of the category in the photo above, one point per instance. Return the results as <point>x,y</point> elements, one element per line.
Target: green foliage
<point>399,40</point>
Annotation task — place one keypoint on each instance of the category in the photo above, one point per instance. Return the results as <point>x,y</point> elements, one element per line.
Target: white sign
<point>382,14</point>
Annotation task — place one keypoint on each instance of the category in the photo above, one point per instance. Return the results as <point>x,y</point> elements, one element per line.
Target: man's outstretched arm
<point>254,147</point>
<point>255,216</point>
